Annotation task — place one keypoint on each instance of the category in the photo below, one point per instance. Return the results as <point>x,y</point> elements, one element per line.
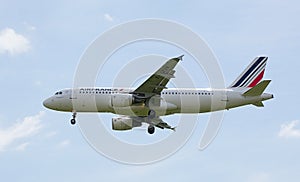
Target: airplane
<point>152,99</point>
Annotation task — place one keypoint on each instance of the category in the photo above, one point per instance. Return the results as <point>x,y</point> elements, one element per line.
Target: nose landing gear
<point>73,120</point>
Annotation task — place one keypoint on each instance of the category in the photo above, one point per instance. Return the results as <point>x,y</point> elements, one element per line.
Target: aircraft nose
<point>48,103</point>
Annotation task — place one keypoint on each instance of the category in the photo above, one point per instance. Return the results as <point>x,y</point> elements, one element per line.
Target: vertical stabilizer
<point>253,74</point>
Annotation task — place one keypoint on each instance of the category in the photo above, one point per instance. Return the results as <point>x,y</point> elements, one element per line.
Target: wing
<point>158,81</point>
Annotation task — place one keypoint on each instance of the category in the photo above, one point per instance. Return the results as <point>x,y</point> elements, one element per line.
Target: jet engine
<point>124,123</point>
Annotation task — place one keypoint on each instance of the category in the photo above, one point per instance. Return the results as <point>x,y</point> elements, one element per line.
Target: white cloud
<point>37,83</point>
<point>12,42</point>
<point>29,126</point>
<point>64,143</point>
<point>289,130</point>
<point>108,17</point>
<point>259,177</point>
<point>51,134</point>
<point>22,147</point>
<point>29,26</point>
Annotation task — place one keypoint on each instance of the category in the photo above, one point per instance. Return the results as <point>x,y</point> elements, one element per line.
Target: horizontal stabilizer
<point>259,104</point>
<point>258,89</point>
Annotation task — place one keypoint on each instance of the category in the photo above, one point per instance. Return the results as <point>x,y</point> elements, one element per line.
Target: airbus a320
<point>152,99</point>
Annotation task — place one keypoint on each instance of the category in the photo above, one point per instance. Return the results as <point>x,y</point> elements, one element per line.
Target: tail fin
<point>258,89</point>
<point>252,74</point>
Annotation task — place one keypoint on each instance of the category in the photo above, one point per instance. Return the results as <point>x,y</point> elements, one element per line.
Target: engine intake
<point>124,123</point>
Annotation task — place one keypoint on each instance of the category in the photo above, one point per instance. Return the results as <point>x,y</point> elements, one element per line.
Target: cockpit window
<point>58,93</point>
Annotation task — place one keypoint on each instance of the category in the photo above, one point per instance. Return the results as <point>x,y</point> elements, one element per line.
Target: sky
<point>40,47</point>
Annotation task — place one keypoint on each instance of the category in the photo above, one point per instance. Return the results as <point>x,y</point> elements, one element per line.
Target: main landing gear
<point>151,115</point>
<point>73,120</point>
<point>151,129</point>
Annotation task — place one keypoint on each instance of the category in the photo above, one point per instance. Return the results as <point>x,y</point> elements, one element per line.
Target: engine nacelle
<point>122,100</point>
<point>124,123</point>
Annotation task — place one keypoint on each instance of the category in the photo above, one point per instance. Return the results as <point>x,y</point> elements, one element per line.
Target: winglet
<point>258,89</point>
<point>180,57</point>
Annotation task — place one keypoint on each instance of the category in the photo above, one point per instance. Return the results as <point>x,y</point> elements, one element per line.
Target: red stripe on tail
<point>257,79</point>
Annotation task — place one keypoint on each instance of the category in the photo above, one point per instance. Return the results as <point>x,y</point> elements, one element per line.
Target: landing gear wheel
<point>151,129</point>
<point>151,114</point>
<point>73,121</point>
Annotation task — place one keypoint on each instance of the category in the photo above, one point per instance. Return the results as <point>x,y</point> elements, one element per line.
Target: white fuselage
<point>118,101</point>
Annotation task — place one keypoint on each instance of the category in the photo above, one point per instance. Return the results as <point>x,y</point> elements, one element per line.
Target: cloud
<point>51,134</point>
<point>22,147</point>
<point>289,130</point>
<point>29,26</point>
<point>37,83</point>
<point>29,126</point>
<point>64,143</point>
<point>108,17</point>
<point>12,42</point>
<point>259,177</point>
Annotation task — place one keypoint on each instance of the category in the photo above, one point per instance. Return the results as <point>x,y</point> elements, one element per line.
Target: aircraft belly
<point>185,103</point>
<point>240,100</point>
<point>142,110</point>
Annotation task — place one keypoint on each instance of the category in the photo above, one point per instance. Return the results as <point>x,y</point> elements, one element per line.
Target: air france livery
<point>152,99</point>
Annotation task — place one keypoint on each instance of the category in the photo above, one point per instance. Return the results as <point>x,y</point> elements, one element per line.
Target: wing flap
<point>158,122</point>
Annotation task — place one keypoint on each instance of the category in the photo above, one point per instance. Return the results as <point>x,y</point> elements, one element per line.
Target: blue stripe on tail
<point>259,60</point>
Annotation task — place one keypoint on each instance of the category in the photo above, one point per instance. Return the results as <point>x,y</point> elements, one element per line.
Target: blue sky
<point>40,47</point>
